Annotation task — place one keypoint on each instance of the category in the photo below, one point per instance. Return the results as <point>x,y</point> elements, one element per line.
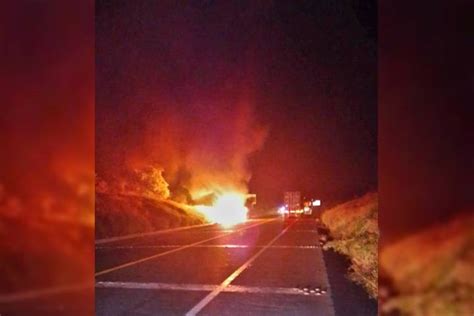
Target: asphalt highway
<point>261,267</point>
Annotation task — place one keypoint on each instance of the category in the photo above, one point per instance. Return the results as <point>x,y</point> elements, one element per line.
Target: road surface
<point>262,267</point>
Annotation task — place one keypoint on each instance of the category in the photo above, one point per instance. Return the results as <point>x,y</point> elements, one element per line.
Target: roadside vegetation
<point>354,230</point>
<point>432,271</point>
<point>139,202</point>
<point>118,215</point>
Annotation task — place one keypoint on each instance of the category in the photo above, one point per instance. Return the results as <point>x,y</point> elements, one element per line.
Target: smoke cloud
<point>178,96</point>
<point>202,148</point>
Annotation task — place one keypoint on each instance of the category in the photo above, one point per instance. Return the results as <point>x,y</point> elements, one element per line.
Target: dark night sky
<point>425,137</point>
<point>308,67</point>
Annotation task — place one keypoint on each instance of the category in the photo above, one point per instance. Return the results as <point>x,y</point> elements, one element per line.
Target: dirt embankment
<point>119,214</point>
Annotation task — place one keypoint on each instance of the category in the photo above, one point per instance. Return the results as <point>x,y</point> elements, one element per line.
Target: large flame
<point>229,209</point>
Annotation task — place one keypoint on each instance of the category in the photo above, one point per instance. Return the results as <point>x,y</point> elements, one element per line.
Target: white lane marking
<point>155,286</point>
<point>208,298</point>
<point>204,246</point>
<point>33,294</point>
<point>156,232</point>
<point>128,264</point>
<point>197,287</point>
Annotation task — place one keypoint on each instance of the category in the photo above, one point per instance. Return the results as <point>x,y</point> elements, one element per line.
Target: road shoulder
<point>349,299</point>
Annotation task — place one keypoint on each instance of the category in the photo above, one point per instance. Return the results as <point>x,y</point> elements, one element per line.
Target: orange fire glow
<point>228,209</point>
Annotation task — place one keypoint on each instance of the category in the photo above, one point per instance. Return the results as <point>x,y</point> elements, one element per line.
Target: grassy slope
<point>354,227</point>
<point>433,270</point>
<point>127,214</point>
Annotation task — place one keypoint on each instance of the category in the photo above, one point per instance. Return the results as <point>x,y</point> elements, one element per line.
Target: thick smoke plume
<point>188,148</point>
<point>199,151</point>
<point>177,97</point>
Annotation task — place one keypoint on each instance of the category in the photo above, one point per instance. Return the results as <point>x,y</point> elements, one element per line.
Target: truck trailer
<point>292,203</point>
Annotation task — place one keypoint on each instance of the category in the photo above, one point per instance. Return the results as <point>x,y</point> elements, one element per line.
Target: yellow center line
<point>199,306</point>
<point>128,264</point>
